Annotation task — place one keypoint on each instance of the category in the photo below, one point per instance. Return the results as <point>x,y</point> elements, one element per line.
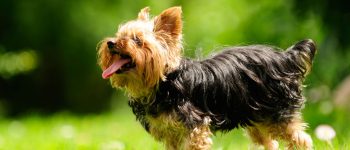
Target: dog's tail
<point>303,54</point>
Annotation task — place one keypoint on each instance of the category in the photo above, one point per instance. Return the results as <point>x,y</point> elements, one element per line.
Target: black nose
<point>111,44</point>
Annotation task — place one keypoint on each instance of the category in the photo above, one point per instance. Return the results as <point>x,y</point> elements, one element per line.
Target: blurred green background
<point>50,81</point>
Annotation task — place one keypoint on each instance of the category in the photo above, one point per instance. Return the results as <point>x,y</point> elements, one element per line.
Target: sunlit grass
<point>65,131</point>
<point>111,131</point>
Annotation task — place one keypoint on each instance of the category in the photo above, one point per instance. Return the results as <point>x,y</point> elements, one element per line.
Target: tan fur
<point>160,52</point>
<point>144,14</point>
<point>262,137</point>
<point>168,129</point>
<point>292,132</point>
<point>199,137</point>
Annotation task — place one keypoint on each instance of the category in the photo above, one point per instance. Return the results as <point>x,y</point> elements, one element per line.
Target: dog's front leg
<point>199,138</point>
<point>173,144</point>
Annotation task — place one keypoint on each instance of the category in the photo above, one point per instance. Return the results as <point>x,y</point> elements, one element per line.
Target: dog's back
<point>243,84</point>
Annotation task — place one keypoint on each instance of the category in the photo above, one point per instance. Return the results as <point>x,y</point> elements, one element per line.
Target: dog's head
<point>142,51</point>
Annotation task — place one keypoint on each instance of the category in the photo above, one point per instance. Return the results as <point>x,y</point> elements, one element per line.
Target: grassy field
<point>118,130</point>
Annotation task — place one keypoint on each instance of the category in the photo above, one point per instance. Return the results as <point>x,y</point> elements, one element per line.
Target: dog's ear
<point>144,14</point>
<point>169,21</point>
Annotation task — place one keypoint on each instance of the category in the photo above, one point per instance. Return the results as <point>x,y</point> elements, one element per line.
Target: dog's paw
<point>301,140</point>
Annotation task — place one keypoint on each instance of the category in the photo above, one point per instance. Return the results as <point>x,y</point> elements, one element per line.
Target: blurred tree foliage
<point>63,36</point>
<point>335,16</point>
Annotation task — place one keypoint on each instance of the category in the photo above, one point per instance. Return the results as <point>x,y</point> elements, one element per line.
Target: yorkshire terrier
<point>181,102</point>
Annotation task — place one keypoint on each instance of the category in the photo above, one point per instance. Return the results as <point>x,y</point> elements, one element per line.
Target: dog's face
<point>142,51</point>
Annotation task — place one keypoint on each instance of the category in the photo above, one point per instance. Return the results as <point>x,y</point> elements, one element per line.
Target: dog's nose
<point>110,44</point>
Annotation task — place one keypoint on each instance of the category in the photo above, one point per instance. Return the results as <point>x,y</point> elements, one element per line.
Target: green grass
<point>65,131</point>
<point>116,130</point>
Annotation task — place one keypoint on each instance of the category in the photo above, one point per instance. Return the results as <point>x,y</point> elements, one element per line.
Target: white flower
<point>325,132</point>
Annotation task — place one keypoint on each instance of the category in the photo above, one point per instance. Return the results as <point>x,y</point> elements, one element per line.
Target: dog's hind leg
<point>262,137</point>
<point>293,133</point>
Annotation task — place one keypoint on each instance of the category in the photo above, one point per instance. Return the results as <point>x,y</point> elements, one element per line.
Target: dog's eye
<point>137,41</point>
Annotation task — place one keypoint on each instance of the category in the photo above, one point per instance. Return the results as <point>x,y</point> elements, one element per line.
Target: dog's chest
<point>158,122</point>
<point>165,125</point>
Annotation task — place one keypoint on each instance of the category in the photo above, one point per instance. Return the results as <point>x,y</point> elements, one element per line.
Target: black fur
<point>234,88</point>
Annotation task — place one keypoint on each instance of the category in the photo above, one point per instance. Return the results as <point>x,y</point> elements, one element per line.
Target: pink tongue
<point>114,67</point>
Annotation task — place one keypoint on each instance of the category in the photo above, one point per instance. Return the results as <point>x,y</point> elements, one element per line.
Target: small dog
<point>181,101</point>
